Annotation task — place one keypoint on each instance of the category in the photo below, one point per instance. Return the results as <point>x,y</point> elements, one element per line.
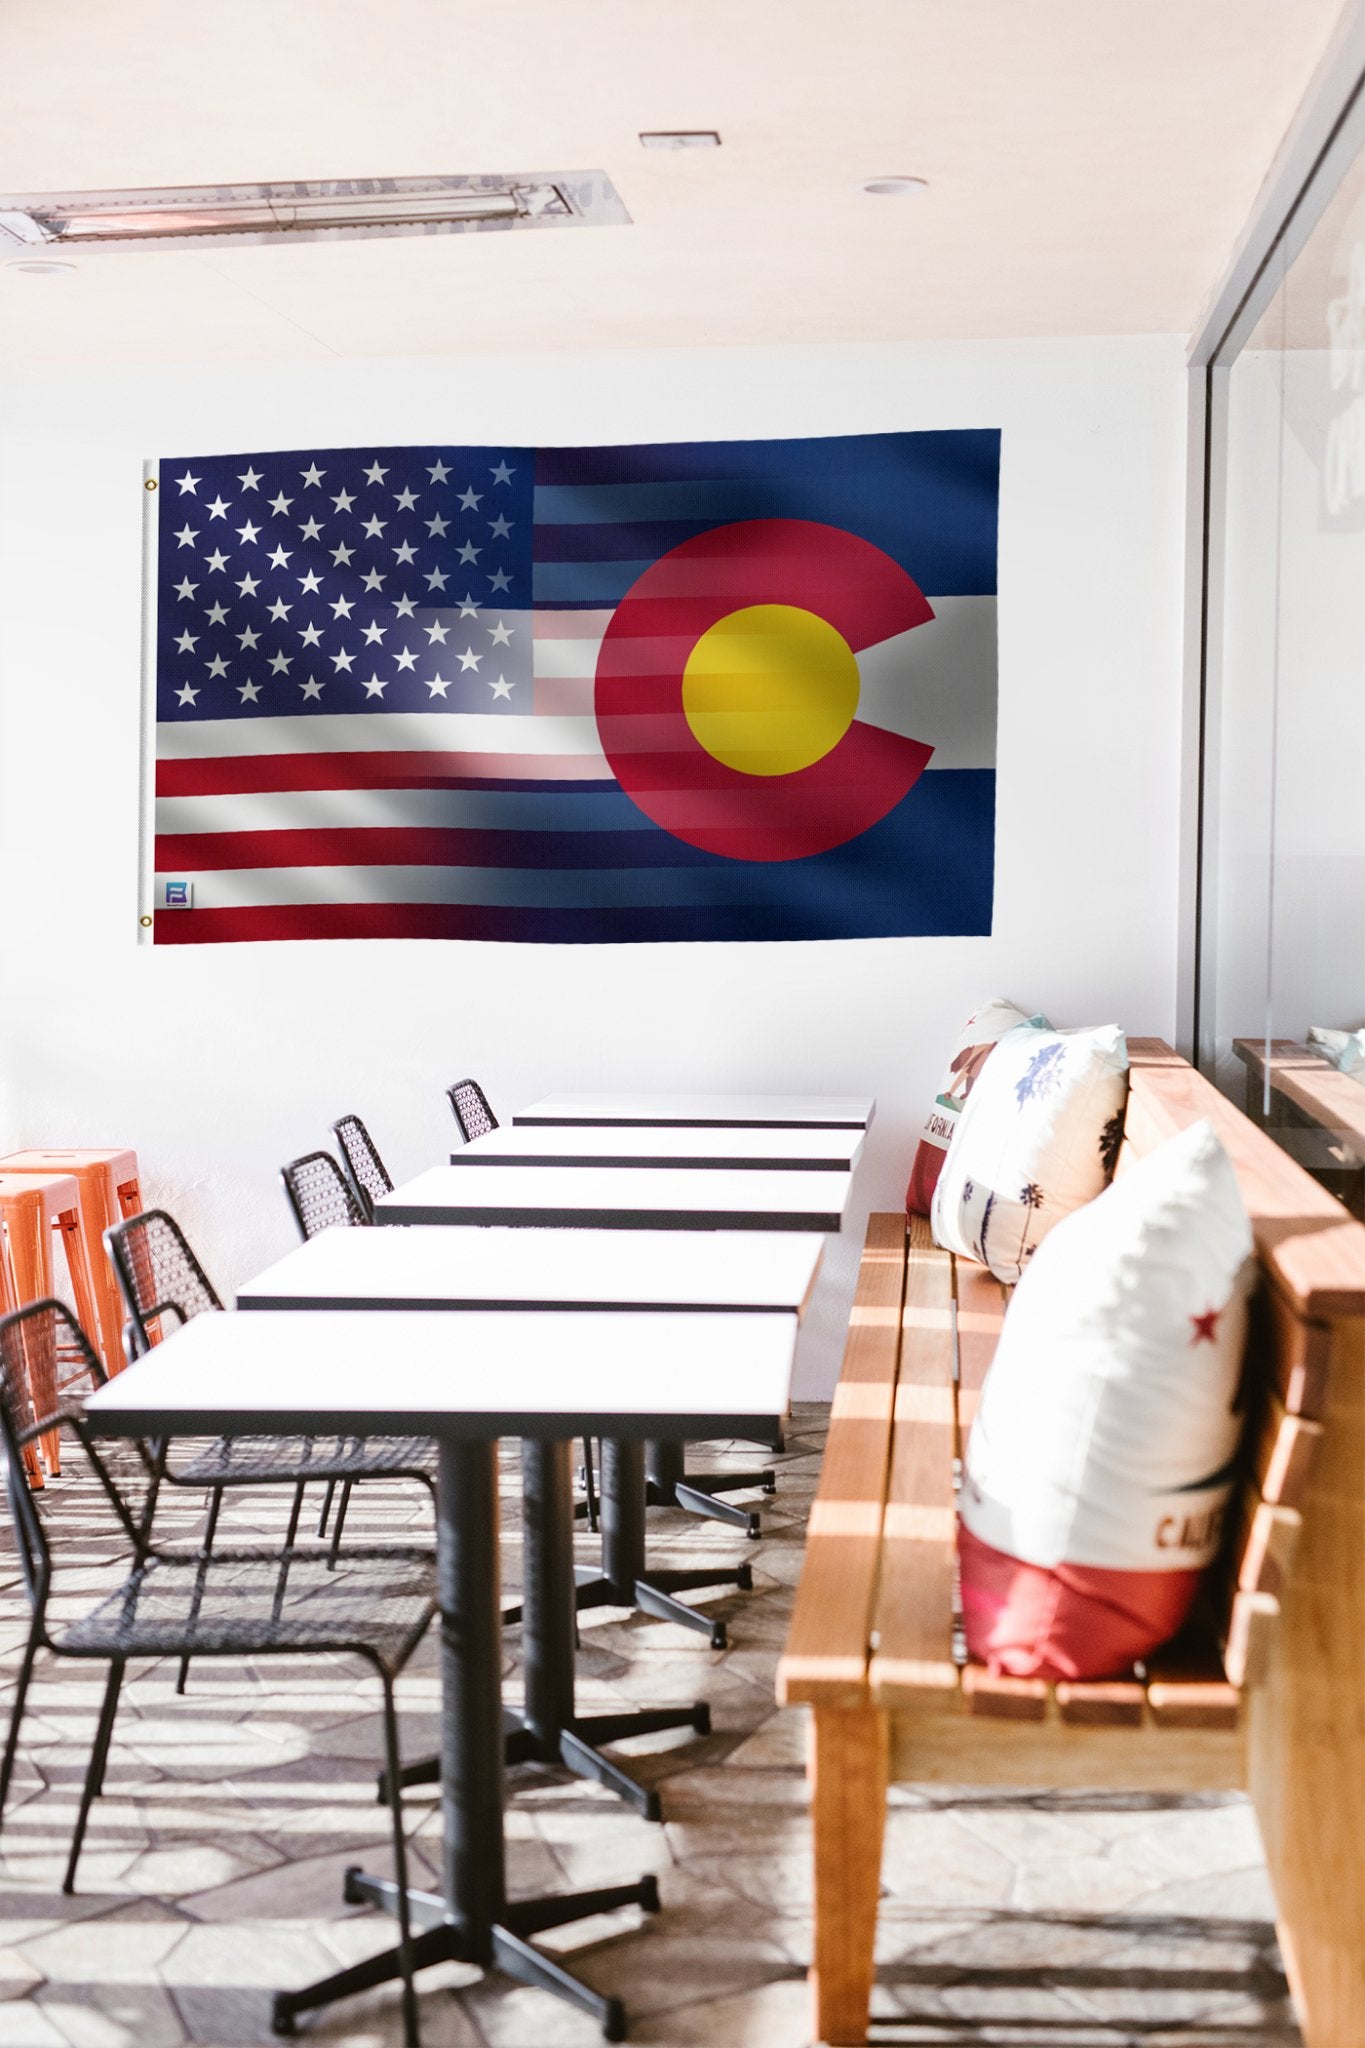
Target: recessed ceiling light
<point>344,209</point>
<point>893,188</point>
<point>679,138</point>
<point>39,269</point>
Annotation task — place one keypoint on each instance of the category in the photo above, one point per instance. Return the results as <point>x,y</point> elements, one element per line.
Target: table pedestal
<point>471,1919</point>
<point>669,1484</point>
<point>625,1580</point>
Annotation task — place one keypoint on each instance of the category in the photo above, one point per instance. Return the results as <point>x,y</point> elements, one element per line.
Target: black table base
<point>669,1484</point>
<point>625,1579</point>
<point>471,1919</point>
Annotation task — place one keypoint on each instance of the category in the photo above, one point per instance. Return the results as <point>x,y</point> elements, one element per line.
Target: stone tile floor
<point>212,1870</point>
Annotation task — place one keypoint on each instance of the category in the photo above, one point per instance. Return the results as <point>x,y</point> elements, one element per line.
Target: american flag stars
<point>347,560</point>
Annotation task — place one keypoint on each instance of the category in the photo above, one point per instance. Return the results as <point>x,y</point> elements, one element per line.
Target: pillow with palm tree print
<point>1038,1136</point>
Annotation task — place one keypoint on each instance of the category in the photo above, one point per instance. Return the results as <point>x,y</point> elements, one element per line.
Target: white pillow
<point>1038,1136</point>
<point>1107,1426</point>
<point>1345,1049</point>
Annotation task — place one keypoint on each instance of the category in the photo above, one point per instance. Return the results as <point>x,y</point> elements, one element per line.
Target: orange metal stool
<point>32,1206</point>
<point>107,1180</point>
<point>9,1301</point>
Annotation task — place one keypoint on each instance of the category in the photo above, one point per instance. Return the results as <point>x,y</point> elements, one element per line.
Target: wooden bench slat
<point>1251,1632</point>
<point>981,1305</point>
<point>827,1647</point>
<point>1289,1350</point>
<point>1102,1703</point>
<point>998,1698</point>
<point>914,1613</point>
<point>1328,1098</point>
<point>1187,1686</point>
<point>1282,1451</point>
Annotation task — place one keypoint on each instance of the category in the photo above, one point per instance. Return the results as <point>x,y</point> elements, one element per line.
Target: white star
<point>502,635</point>
<point>248,692</point>
<point>218,509</point>
<point>248,639</point>
<point>500,527</point>
<point>436,527</point>
<point>376,688</point>
<point>439,684</point>
<point>251,479</point>
<point>216,616</point>
<point>312,688</point>
<point>280,662</point>
<point>468,608</point>
<point>469,659</point>
<point>187,642</point>
<point>374,631</point>
<point>342,660</point>
<point>404,607</point>
<point>217,667</point>
<point>376,473</point>
<point>407,659</point>
<point>248,532</point>
<point>438,473</point>
<point>280,610</point>
<point>404,500</point>
<point>279,556</point>
<point>188,483</point>
<point>342,607</point>
<point>249,585</point>
<point>311,582</point>
<point>374,581</point>
<point>471,499</point>
<point>310,530</point>
<point>186,535</point>
<point>342,555</point>
<point>311,636</point>
<point>374,526</point>
<point>312,475</point>
<point>500,688</point>
<point>280,503</point>
<point>499,580</point>
<point>437,632</point>
<point>186,696</point>
<point>217,560</point>
<point>343,501</point>
<point>502,474</point>
<point>436,580</point>
<point>406,553</point>
<point>186,589</point>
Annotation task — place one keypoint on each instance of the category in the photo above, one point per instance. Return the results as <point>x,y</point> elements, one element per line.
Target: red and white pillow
<point>1101,1460</point>
<point>975,1043</point>
<point>1038,1136</point>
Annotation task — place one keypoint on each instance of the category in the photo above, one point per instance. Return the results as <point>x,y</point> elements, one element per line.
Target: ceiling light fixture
<point>350,209</point>
<point>679,138</point>
<point>894,187</point>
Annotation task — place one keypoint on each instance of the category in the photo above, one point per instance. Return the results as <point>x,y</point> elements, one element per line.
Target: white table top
<point>795,1112</point>
<point>620,1198</point>
<point>440,1267</point>
<point>829,1150</point>
<point>539,1373</point>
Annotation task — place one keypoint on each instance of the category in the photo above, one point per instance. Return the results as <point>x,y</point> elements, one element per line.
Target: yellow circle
<point>769,689</point>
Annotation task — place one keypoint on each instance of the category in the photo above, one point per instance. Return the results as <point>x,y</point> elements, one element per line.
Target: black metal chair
<point>320,1194</point>
<point>469,1107</point>
<point>369,1176</point>
<point>161,1279</point>
<point>241,1602</point>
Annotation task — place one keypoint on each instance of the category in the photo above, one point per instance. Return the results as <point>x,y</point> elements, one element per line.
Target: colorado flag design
<point>719,690</point>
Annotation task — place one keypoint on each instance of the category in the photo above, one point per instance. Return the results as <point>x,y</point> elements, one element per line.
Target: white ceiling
<point>1090,165</point>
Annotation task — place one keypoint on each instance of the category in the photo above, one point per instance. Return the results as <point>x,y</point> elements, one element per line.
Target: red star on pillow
<point>1205,1326</point>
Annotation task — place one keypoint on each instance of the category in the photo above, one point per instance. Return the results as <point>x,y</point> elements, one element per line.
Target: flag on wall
<point>708,690</point>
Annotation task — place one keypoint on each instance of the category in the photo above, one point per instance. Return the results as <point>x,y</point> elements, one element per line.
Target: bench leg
<point>848,1767</point>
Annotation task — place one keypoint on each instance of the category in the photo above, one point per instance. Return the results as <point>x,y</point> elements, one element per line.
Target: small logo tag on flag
<point>177,896</point>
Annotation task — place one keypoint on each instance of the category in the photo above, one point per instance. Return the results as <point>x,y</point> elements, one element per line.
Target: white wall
<point>218,1063</point>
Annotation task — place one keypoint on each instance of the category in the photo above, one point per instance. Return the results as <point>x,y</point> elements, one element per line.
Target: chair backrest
<point>48,1328</point>
<point>158,1274</point>
<point>318,1194</point>
<point>369,1175</point>
<point>470,1107</point>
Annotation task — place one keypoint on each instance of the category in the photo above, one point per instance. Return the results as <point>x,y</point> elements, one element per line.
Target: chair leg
<point>326,1509</point>
<point>411,2037</point>
<point>16,1715</point>
<point>342,1505</point>
<point>589,1484</point>
<point>94,1777</point>
<point>206,1545</point>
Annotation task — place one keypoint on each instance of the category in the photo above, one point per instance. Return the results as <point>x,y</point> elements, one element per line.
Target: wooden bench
<point>1266,1691</point>
<point>1315,1110</point>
